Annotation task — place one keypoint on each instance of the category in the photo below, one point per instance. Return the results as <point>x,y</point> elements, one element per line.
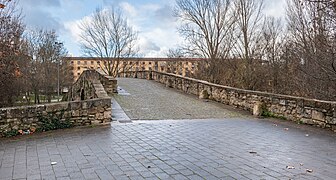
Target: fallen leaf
<point>53,163</point>
<point>307,135</point>
<point>301,164</point>
<point>286,129</point>
<point>309,170</point>
<point>148,166</point>
<point>290,167</point>
<point>253,152</point>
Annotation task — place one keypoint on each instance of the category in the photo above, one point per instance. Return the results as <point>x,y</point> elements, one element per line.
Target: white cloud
<point>156,31</point>
<point>276,8</point>
<point>128,9</point>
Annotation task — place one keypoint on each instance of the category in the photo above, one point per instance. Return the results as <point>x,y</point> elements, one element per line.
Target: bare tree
<point>250,23</point>
<point>273,41</point>
<point>46,63</point>
<point>311,27</point>
<point>11,30</point>
<point>108,35</point>
<point>208,28</point>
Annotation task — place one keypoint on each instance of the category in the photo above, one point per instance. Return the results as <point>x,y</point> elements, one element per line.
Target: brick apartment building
<point>179,66</point>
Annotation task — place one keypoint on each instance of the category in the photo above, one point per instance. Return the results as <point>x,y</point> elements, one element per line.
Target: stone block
<point>75,105</point>
<point>57,107</point>
<point>84,105</point>
<point>169,83</point>
<point>283,102</point>
<point>323,105</point>
<point>307,121</point>
<point>307,113</point>
<point>333,127</point>
<point>257,109</point>
<point>107,115</point>
<point>317,115</point>
<point>309,103</point>
<point>95,122</point>
<point>204,94</point>
<point>75,113</point>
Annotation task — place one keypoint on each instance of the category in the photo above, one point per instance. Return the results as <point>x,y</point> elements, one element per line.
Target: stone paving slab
<point>173,149</point>
<point>143,99</point>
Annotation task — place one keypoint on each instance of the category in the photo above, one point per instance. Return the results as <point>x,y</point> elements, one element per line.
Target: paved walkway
<point>149,100</point>
<point>231,147</point>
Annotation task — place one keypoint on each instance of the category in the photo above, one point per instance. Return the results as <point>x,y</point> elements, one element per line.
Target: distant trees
<point>45,63</point>
<point>29,60</point>
<point>107,35</point>
<point>208,28</point>
<point>311,28</point>
<point>248,50</point>
<point>11,30</point>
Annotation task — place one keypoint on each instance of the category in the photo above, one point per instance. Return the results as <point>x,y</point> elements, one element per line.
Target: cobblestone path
<point>148,100</point>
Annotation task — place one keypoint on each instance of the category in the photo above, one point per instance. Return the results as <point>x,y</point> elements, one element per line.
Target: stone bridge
<point>162,132</point>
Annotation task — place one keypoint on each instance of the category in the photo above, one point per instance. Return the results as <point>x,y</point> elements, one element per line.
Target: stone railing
<point>302,110</point>
<point>86,86</point>
<point>93,108</point>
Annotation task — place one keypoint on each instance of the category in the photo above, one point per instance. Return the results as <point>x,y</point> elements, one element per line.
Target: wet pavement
<point>173,149</point>
<point>227,145</point>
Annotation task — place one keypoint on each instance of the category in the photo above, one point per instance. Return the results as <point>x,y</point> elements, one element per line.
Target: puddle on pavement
<point>122,92</point>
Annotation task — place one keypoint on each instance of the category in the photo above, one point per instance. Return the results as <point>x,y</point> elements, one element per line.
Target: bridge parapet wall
<point>88,104</point>
<point>302,110</point>
<point>91,84</point>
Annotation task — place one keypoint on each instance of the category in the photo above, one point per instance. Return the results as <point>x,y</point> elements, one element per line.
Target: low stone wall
<point>302,110</point>
<point>50,116</point>
<point>92,106</point>
<point>84,87</point>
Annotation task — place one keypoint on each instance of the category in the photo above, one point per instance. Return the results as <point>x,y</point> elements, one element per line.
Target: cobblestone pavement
<point>173,149</point>
<point>150,100</point>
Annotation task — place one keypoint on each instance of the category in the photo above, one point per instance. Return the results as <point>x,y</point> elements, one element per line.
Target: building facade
<point>179,66</point>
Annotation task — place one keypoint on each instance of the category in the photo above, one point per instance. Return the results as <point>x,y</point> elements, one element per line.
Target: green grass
<point>268,114</point>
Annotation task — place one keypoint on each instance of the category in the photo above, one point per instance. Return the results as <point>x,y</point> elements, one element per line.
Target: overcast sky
<point>151,18</point>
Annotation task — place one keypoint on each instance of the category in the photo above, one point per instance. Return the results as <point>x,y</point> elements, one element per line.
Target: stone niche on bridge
<point>88,103</point>
<point>302,110</point>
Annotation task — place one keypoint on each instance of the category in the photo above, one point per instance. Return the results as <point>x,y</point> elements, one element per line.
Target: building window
<point>78,74</point>
<point>98,62</point>
<point>92,62</point>
<point>72,62</point>
<point>78,68</point>
<point>85,62</point>
<point>78,62</point>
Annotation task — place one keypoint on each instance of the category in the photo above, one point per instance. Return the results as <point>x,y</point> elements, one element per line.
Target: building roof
<point>135,59</point>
